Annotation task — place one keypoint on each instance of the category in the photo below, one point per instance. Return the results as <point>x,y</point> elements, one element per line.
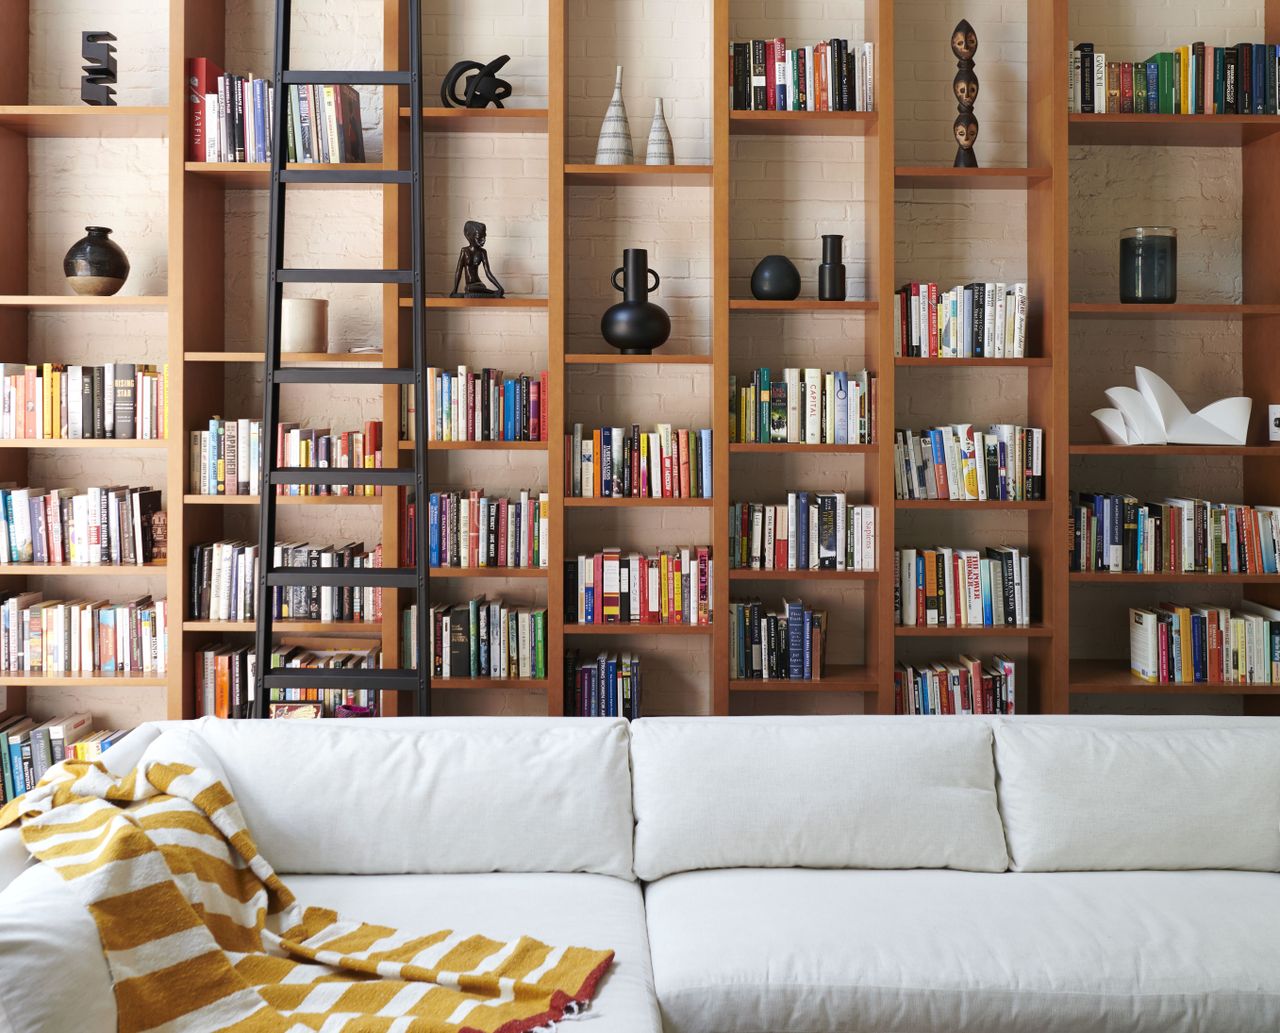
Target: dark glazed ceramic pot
<point>635,326</point>
<point>775,278</point>
<point>96,266</point>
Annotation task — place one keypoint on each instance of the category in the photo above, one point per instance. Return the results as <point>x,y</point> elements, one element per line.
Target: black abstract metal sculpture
<point>964,44</point>
<point>482,89</point>
<point>471,260</point>
<point>100,71</point>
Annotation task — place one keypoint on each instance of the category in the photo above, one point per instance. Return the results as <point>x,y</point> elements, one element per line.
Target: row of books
<point>481,638</point>
<point>1004,463</point>
<point>607,685</point>
<point>29,748</point>
<point>1193,79</point>
<point>947,587</point>
<point>82,526</point>
<point>121,400</point>
<point>68,636</point>
<point>226,459</point>
<point>612,463</point>
<point>786,644</point>
<point>225,678</point>
<point>232,116</point>
<point>308,701</point>
<point>476,530</point>
<point>803,406</point>
<point>962,686</point>
<point>298,446</point>
<point>832,75</point>
<point>224,583</point>
<point>1173,644</point>
<point>969,321</point>
<point>480,405</point>
<point>812,531</point>
<point>1118,533</point>
<point>669,587</point>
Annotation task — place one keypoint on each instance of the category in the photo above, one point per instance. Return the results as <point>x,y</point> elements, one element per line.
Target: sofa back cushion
<point>1115,799</point>
<point>431,796</point>
<point>839,793</point>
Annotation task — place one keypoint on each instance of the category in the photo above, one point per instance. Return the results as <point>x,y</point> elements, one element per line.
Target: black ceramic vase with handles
<point>831,277</point>
<point>635,326</point>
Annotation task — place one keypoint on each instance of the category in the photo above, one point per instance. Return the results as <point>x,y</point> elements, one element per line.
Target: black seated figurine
<point>470,260</point>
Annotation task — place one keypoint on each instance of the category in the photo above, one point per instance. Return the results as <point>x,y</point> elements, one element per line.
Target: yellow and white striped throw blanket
<point>201,935</point>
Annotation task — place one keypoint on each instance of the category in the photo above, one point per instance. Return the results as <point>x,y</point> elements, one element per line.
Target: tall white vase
<point>614,145</point>
<point>659,151</point>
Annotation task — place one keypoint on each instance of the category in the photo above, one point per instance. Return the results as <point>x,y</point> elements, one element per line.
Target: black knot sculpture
<point>482,89</point>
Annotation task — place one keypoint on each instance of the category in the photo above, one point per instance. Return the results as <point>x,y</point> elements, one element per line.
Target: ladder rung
<point>344,276</point>
<point>386,679</point>
<point>320,174</point>
<point>339,375</point>
<point>343,577</point>
<point>341,475</point>
<point>347,78</point>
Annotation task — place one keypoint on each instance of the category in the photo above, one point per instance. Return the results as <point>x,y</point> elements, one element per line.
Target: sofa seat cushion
<point>56,979</point>
<point>802,951</point>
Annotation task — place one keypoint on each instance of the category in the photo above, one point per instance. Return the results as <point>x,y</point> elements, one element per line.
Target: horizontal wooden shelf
<point>78,121</point>
<point>626,503</point>
<point>287,500</point>
<point>618,359</point>
<point>308,358</point>
<point>800,449</point>
<point>479,446</point>
<point>107,443</point>
<point>752,574</point>
<point>1115,676</point>
<point>943,177</point>
<point>1106,449</point>
<point>1170,130</point>
<point>975,631</point>
<point>802,123</point>
<point>835,678</point>
<point>481,120</point>
<point>489,683</point>
<point>637,629</point>
<point>800,305</point>
<point>487,572</point>
<point>977,506</point>
<point>352,629</point>
<point>256,175</point>
<point>985,363</point>
<point>80,680</point>
<point>1099,577</point>
<point>638,175</point>
<point>124,302</point>
<point>507,301</point>
<point>1178,310</point>
<point>83,569</point>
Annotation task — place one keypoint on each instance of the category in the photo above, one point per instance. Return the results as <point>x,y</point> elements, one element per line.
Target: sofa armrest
<point>13,855</point>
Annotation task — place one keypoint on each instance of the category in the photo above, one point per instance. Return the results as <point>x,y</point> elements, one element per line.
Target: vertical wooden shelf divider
<point>878,167</point>
<point>557,303</point>
<point>720,344</point>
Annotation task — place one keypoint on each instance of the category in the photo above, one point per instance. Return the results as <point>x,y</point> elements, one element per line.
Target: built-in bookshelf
<point>1051,668</point>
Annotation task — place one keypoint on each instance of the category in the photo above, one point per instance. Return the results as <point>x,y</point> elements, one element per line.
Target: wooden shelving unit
<point>198,300</point>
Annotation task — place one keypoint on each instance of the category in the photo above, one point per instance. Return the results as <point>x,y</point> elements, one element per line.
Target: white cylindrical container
<point>304,325</point>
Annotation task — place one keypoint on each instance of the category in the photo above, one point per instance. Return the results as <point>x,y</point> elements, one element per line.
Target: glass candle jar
<point>1149,265</point>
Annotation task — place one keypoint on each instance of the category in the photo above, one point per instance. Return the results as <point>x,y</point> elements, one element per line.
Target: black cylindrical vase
<point>831,275</point>
<point>635,326</point>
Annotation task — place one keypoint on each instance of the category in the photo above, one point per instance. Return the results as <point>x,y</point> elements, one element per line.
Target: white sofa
<point>762,875</point>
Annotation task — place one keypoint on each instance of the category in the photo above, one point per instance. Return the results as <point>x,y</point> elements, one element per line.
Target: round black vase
<point>775,278</point>
<point>96,266</point>
<point>635,325</point>
<point>831,275</point>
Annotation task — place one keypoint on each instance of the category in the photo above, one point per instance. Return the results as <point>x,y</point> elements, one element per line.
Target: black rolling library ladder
<point>386,679</point>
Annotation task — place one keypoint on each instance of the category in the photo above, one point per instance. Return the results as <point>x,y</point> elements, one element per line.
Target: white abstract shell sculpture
<point>1155,415</point>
